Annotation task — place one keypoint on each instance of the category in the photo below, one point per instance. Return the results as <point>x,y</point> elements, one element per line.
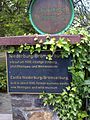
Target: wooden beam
<point>18,40</point>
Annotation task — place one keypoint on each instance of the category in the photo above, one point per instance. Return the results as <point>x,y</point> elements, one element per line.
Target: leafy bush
<point>67,104</point>
<point>3,83</point>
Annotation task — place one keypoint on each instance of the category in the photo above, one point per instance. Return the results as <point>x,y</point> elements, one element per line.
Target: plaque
<point>51,16</point>
<point>34,74</point>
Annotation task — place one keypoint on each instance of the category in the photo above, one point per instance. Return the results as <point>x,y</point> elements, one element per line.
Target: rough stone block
<point>18,115</point>
<point>21,103</point>
<point>38,103</point>
<point>40,116</point>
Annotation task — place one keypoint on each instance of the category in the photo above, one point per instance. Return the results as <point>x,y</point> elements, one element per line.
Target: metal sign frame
<point>60,32</point>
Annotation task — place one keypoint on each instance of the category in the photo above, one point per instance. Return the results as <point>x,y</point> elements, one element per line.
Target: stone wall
<point>30,107</point>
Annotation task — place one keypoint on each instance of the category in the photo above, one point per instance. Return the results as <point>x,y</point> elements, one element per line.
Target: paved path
<point>5,104</point>
<point>5,107</point>
<point>5,116</point>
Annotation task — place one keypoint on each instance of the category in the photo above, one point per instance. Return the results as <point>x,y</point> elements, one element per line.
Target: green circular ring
<point>61,32</point>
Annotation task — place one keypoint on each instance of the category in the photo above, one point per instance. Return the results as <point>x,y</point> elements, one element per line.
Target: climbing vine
<point>68,104</point>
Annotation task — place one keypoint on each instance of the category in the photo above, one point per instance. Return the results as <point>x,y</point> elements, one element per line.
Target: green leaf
<point>27,47</point>
<point>20,49</point>
<point>38,50</point>
<point>66,47</point>
<point>31,50</point>
<point>88,68</point>
<point>38,45</point>
<point>59,44</point>
<point>11,50</point>
<point>74,89</point>
<point>49,57</point>
<point>45,47</point>
<point>52,48</point>
<point>81,74</point>
<point>68,88</point>
<point>47,42</point>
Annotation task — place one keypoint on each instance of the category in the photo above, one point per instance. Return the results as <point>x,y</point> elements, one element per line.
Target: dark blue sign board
<point>33,74</point>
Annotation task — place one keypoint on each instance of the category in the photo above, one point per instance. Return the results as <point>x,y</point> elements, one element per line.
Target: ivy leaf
<point>38,45</point>
<point>74,89</point>
<point>38,48</point>
<point>68,88</point>
<point>45,47</point>
<point>82,115</point>
<point>71,95</point>
<point>50,42</point>
<point>88,68</point>
<point>50,96</point>
<point>64,93</point>
<point>81,74</point>
<point>52,48</point>
<point>72,50</point>
<point>59,44</point>
<point>20,49</point>
<point>89,90</point>
<point>27,47</point>
<point>11,50</point>
<point>49,57</point>
<point>31,50</point>
<point>66,47</point>
<point>47,42</point>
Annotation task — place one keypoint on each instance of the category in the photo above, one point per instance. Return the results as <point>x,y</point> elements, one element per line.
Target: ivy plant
<point>68,104</point>
<point>3,83</point>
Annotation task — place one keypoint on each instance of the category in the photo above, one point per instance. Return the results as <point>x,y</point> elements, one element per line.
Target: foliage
<point>69,103</point>
<point>3,83</point>
<point>82,12</point>
<point>87,95</point>
<point>14,18</point>
<point>87,88</point>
